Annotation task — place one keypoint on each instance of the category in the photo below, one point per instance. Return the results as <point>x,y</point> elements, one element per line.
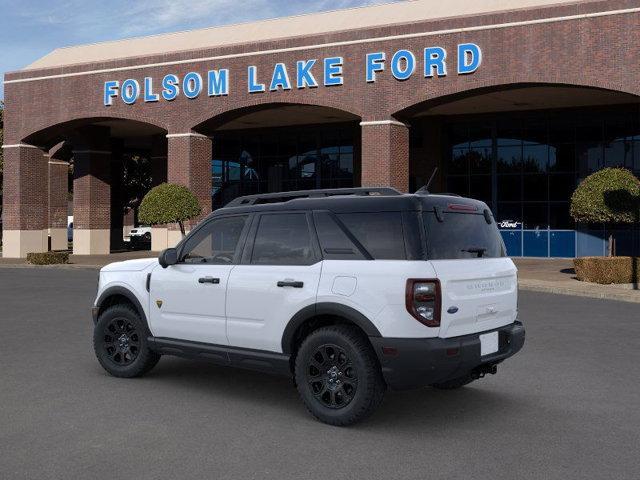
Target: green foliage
<point>611,195</point>
<point>48,258</point>
<point>169,203</point>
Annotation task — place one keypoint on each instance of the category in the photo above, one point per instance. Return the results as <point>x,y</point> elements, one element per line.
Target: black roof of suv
<point>352,200</point>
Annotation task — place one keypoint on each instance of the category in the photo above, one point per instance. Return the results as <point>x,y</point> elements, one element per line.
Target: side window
<point>283,239</point>
<point>216,243</point>
<point>379,233</point>
<point>334,242</point>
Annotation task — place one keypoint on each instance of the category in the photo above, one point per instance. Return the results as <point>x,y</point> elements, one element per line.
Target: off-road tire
<point>360,363</point>
<point>454,383</point>
<point>138,358</point>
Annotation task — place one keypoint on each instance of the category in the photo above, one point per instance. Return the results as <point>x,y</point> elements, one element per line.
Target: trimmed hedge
<point>607,270</point>
<point>48,258</point>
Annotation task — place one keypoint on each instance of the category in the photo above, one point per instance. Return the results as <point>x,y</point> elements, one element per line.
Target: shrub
<point>169,203</point>
<point>606,270</point>
<point>611,195</point>
<point>48,258</point>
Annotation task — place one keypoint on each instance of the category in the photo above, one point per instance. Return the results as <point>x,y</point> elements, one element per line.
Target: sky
<point>29,29</point>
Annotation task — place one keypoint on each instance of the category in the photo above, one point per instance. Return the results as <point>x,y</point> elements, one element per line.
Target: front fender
<point>123,290</point>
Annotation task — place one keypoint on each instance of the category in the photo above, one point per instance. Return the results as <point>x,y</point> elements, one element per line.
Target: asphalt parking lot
<point>566,407</point>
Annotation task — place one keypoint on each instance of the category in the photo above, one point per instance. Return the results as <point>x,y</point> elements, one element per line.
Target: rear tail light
<point>423,301</point>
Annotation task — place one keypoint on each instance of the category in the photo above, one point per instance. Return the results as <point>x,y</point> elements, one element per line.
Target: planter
<point>607,270</point>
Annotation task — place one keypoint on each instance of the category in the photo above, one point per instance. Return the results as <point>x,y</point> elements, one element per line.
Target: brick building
<point>513,101</point>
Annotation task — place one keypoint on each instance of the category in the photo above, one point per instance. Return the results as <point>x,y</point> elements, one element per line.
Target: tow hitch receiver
<point>483,370</point>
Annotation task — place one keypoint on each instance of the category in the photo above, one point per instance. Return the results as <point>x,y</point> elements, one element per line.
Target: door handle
<point>212,280</point>
<point>290,283</point>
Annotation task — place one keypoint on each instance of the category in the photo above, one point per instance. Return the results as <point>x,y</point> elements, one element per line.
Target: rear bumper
<point>416,362</point>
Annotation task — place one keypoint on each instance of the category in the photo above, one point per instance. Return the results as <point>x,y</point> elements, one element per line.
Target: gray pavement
<point>566,407</point>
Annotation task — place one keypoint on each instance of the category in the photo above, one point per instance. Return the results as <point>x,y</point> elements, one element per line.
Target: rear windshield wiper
<point>477,250</point>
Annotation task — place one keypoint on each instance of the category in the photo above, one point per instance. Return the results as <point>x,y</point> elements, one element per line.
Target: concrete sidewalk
<point>556,275</point>
<point>535,274</point>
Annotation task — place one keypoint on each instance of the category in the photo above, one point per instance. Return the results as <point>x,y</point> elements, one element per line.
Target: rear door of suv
<point>278,276</point>
<point>479,284</point>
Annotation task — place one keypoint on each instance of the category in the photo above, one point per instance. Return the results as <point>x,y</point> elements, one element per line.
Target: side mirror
<point>168,257</point>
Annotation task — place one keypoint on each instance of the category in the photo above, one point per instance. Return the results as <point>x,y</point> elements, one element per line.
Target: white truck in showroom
<point>348,291</point>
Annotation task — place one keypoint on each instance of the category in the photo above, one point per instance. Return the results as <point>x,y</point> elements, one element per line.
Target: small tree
<point>169,203</point>
<point>611,195</point>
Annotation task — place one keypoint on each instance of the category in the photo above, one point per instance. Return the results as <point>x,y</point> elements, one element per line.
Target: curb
<point>537,286</point>
<point>64,266</point>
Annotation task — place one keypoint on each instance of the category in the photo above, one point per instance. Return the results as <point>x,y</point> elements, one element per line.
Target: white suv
<point>348,291</point>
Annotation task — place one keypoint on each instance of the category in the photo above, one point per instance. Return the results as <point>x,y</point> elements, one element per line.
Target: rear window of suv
<point>379,233</point>
<point>462,235</point>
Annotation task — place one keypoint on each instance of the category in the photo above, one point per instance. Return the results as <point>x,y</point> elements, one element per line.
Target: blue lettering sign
<point>280,78</point>
<point>192,85</point>
<point>254,87</point>
<point>304,77</point>
<point>403,64</point>
<point>170,87</point>
<point>333,71</point>
<point>218,82</point>
<point>110,92</point>
<point>130,91</point>
<point>469,58</point>
<point>434,58</point>
<point>149,96</point>
<point>375,63</point>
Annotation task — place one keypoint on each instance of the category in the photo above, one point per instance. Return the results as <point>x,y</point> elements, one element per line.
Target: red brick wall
<point>385,156</point>
<point>58,190</point>
<point>25,177</point>
<point>189,164</point>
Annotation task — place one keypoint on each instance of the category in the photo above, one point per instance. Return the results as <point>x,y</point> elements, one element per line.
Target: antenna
<point>433,175</point>
<point>424,190</point>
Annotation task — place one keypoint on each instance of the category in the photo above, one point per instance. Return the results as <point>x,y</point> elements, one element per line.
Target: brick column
<point>159,233</point>
<point>25,210</point>
<point>385,154</point>
<point>158,160</point>
<point>189,164</point>
<point>58,191</point>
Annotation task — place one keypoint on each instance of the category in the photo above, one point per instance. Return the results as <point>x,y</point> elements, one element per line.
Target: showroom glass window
<point>537,159</point>
<point>283,159</point>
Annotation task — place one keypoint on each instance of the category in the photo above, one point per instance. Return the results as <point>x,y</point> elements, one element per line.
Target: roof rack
<point>286,196</point>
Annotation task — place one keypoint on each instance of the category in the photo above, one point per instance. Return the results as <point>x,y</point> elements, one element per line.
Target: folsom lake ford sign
<point>308,73</point>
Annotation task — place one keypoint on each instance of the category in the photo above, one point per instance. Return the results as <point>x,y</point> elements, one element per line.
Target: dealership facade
<point>513,101</point>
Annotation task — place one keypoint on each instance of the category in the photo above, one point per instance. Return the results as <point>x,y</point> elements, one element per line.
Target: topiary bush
<point>48,258</point>
<point>611,195</point>
<point>606,270</point>
<point>169,203</point>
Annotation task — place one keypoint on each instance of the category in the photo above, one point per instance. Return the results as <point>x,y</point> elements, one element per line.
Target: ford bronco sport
<point>348,291</point>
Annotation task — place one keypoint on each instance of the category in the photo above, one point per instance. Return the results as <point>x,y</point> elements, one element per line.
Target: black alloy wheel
<point>332,376</point>
<point>121,341</point>
<point>338,375</point>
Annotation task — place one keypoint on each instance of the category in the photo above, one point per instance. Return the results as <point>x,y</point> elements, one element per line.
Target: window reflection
<point>538,159</point>
<point>260,161</point>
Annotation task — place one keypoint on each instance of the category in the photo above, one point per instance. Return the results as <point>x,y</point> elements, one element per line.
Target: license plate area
<point>489,343</point>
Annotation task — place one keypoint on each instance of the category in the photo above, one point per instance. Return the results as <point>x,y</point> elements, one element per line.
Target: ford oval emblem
<point>452,310</point>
